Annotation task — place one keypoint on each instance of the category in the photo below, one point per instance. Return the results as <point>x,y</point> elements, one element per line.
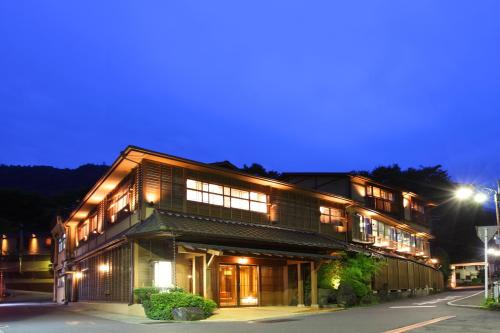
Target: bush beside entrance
<point>159,305</point>
<point>350,278</point>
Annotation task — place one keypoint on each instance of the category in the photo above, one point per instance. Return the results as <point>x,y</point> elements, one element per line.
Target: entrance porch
<point>238,277</point>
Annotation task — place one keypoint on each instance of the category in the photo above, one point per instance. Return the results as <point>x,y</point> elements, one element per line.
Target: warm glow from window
<point>104,268</point>
<point>33,246</point>
<point>83,231</point>
<point>220,195</point>
<point>163,274</point>
<point>331,215</point>
<point>117,204</point>
<point>5,245</point>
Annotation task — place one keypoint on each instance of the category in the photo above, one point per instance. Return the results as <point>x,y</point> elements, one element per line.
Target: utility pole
<point>486,263</point>
<point>497,206</point>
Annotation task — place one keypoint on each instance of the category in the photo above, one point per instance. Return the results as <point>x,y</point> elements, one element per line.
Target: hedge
<point>159,305</point>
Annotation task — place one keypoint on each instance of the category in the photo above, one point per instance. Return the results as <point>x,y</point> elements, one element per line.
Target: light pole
<point>480,196</point>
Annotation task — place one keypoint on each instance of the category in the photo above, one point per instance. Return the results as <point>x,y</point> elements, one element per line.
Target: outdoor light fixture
<point>242,261</point>
<point>464,193</point>
<point>78,275</point>
<point>434,261</point>
<point>151,198</point>
<point>163,274</point>
<point>494,252</point>
<point>480,197</point>
<point>104,268</point>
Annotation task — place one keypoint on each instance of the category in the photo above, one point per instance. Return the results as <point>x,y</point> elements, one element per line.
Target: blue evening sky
<point>293,85</point>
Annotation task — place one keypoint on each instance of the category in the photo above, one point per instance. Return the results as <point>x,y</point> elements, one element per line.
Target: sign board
<point>490,232</point>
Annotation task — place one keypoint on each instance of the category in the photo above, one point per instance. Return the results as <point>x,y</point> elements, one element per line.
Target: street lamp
<point>480,195</point>
<point>464,193</point>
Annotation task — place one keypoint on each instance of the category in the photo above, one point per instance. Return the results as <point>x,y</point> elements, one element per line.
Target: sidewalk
<point>264,312</point>
<point>135,314</point>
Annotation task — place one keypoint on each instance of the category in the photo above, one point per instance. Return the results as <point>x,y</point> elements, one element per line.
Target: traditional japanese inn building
<point>241,240</point>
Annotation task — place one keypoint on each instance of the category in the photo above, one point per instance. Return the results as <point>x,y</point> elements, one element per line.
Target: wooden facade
<point>107,262</point>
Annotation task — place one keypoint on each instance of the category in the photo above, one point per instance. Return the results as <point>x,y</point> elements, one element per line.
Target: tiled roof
<point>166,221</point>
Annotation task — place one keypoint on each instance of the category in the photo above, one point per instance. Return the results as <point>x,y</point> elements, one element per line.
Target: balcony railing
<point>362,237</point>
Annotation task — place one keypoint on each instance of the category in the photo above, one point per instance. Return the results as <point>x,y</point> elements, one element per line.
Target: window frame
<point>226,196</point>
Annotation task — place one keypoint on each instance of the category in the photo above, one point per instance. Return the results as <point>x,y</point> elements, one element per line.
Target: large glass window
<point>383,199</point>
<point>220,195</point>
<point>330,215</point>
<point>117,204</point>
<point>333,216</point>
<point>416,206</point>
<point>61,243</point>
<point>83,231</point>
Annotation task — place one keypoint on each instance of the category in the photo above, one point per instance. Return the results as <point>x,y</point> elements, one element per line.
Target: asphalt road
<point>51,318</point>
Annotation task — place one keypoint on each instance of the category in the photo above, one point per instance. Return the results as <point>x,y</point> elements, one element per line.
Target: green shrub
<point>491,304</point>
<point>144,294</point>
<point>358,272</point>
<point>160,305</point>
<point>329,275</point>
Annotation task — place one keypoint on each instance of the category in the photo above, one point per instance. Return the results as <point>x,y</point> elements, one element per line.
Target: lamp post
<point>480,196</point>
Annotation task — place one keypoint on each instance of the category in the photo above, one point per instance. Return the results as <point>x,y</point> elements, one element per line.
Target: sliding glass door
<point>238,285</point>
<point>227,285</point>
<point>249,285</point>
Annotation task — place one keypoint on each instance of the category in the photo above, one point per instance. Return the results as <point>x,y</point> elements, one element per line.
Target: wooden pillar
<point>286,299</point>
<point>205,289</point>
<point>314,285</point>
<point>300,286</point>
<point>193,276</point>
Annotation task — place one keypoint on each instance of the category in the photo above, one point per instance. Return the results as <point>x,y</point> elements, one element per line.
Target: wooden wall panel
<point>404,274</point>
<point>271,285</point>
<point>112,286</point>
<point>403,282</point>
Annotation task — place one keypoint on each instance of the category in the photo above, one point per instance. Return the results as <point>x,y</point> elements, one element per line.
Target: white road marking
<point>418,325</point>
<point>434,301</point>
<point>465,305</point>
<point>412,306</point>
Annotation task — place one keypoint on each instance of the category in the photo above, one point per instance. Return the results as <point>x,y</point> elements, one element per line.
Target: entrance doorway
<point>238,285</point>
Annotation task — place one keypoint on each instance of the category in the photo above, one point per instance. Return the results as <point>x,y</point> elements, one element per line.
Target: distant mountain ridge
<point>49,181</point>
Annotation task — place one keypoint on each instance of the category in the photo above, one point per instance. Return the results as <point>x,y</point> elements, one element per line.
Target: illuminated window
<point>163,274</point>
<point>61,243</point>
<point>417,207</point>
<point>220,195</point>
<point>117,204</point>
<point>382,199</point>
<point>334,216</point>
<point>83,231</point>
<point>93,223</point>
<point>377,192</point>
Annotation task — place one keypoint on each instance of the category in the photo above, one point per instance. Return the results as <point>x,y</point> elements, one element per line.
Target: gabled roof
<point>132,156</point>
<point>162,221</point>
<point>285,176</point>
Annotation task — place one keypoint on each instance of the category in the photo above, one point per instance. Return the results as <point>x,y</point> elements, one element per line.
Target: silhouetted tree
<point>258,170</point>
